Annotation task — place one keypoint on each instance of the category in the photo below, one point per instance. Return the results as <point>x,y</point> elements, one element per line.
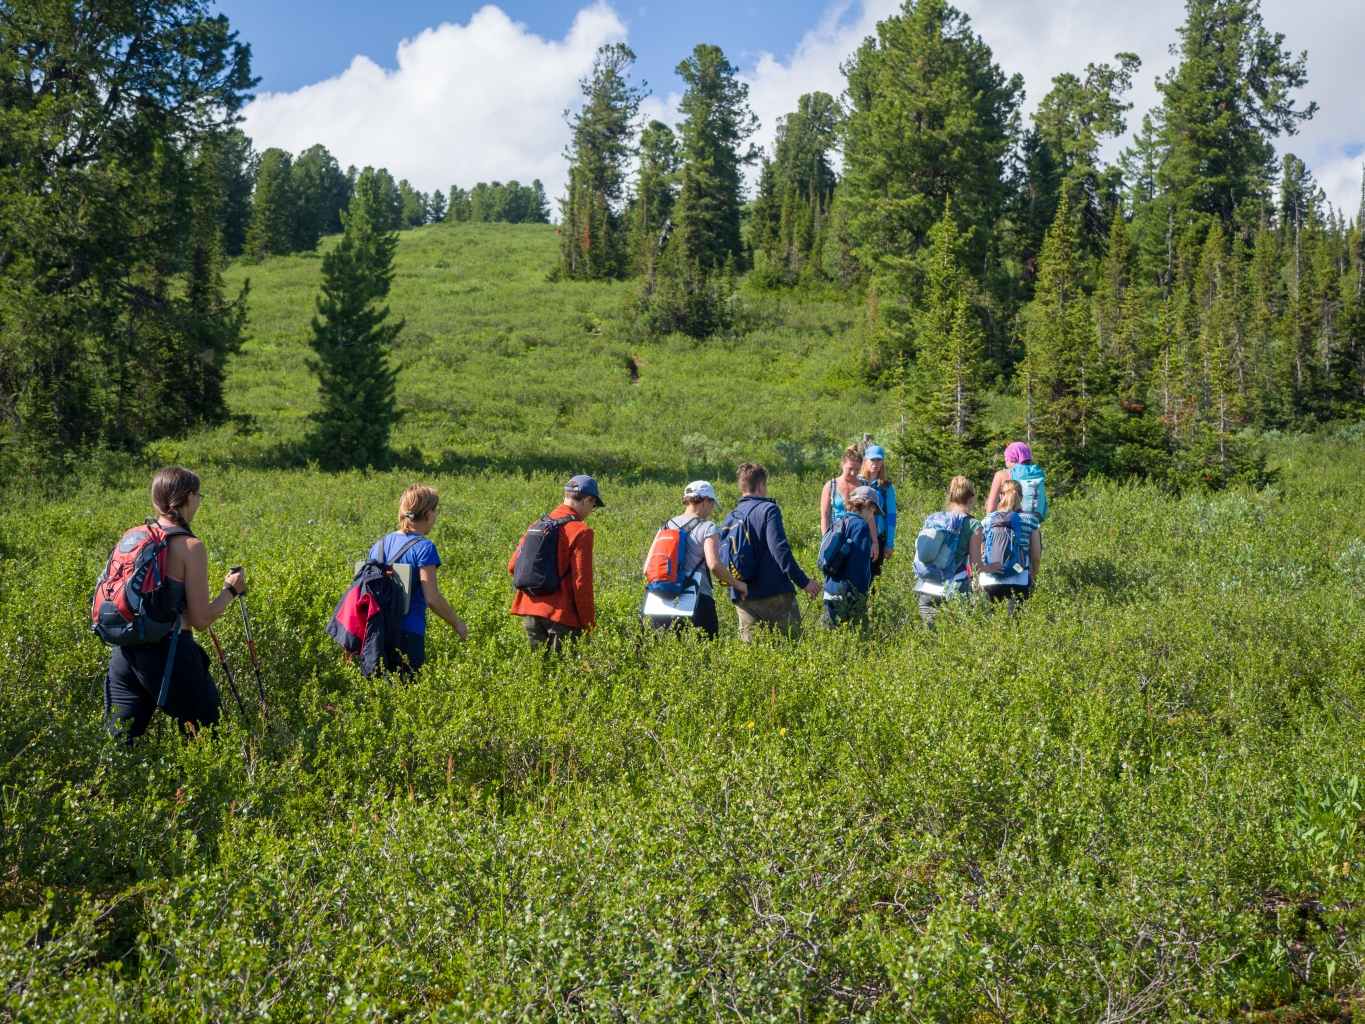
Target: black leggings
<point>133,683</point>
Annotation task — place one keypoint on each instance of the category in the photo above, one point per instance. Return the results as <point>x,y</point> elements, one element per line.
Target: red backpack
<point>131,606</point>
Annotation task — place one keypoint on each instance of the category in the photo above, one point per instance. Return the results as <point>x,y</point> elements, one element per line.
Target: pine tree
<point>352,338</point>
<point>322,191</point>
<point>717,122</point>
<point>932,118</point>
<point>943,437</point>
<point>593,240</point>
<point>655,192</point>
<point>1065,378</point>
<point>1073,120</point>
<point>274,209</point>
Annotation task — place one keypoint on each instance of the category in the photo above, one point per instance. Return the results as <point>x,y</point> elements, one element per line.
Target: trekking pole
<point>251,646</point>
<point>222,660</point>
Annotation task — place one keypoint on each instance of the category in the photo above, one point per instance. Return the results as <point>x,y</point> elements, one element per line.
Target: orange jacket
<point>572,604</point>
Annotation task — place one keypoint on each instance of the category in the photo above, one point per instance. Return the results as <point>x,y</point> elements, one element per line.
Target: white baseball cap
<point>698,489</point>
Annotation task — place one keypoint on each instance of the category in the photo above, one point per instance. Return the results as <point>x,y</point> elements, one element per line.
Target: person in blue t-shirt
<point>416,517</point>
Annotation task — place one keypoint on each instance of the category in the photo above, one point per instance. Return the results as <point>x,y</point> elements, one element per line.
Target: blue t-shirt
<point>420,554</point>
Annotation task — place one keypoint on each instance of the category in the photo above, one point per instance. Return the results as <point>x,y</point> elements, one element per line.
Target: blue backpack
<point>1002,534</point>
<point>738,551</point>
<point>834,548</point>
<point>936,547</point>
<point>1031,479</point>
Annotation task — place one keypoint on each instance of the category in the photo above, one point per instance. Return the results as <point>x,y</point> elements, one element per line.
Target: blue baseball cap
<point>874,451</point>
<point>584,485</point>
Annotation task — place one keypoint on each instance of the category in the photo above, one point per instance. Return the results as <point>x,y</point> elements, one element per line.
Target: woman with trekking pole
<point>153,593</point>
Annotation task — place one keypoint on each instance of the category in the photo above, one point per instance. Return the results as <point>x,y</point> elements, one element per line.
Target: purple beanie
<point>1017,451</point>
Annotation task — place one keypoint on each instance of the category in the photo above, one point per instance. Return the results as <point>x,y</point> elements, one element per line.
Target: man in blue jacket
<point>772,587</point>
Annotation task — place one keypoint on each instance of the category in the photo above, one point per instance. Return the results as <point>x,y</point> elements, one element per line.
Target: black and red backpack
<point>132,604</point>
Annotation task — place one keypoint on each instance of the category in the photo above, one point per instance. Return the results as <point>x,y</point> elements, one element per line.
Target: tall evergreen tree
<point>274,208</point>
<point>237,165</point>
<point>717,122</point>
<point>357,383</point>
<point>1210,140</point>
<point>322,190</point>
<point>1064,379</point>
<point>593,239</point>
<point>106,111</point>
<point>932,118</point>
<point>944,436</point>
<point>655,192</point>
<point>796,189</point>
<point>1073,120</point>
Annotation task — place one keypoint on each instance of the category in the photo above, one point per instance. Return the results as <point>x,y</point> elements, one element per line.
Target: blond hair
<point>857,504</point>
<point>171,491</point>
<point>1011,497</point>
<point>851,454</point>
<point>961,492</point>
<point>881,476</point>
<point>417,502</point>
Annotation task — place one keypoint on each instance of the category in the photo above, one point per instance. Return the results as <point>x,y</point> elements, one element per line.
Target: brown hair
<point>856,504</point>
<point>751,477</point>
<point>960,491</point>
<point>418,502</point>
<point>171,491</point>
<point>881,476</point>
<point>1011,497</point>
<point>851,454</point>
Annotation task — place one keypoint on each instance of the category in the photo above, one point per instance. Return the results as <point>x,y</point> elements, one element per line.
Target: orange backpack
<point>664,566</point>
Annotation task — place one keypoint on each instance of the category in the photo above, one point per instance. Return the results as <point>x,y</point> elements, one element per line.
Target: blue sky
<point>451,92</point>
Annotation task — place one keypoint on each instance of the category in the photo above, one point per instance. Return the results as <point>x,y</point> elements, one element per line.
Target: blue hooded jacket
<point>777,568</point>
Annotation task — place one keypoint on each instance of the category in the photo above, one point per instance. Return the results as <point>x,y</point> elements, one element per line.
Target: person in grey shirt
<point>700,560</point>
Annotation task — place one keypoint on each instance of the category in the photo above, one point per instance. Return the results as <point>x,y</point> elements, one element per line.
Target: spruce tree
<point>943,436</point>
<point>1073,120</point>
<point>1065,380</point>
<point>322,190</point>
<point>274,209</point>
<point>716,125</point>
<point>655,192</point>
<point>593,240</point>
<point>352,337</point>
<point>932,118</point>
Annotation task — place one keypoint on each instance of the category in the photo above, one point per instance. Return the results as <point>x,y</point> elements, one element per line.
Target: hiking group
<point>154,590</point>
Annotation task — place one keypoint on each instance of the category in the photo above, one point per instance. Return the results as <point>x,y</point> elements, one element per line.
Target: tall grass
<point>1131,802</point>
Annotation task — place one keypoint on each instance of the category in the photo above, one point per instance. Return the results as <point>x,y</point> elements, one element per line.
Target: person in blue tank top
<point>408,545</point>
<point>873,474</point>
<point>834,498</point>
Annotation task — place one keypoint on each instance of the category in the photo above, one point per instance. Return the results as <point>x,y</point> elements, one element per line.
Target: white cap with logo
<point>699,489</point>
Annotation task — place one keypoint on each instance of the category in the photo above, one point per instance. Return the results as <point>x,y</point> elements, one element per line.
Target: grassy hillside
<point>498,365</point>
<point>1137,801</point>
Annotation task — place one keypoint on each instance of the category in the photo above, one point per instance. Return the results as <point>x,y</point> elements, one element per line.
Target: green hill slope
<point>499,365</point>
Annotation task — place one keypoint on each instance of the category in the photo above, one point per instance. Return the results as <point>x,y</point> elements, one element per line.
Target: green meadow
<point>1138,800</point>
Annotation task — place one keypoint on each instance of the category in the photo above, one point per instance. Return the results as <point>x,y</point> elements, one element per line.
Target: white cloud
<point>467,103</point>
<point>1043,40</point>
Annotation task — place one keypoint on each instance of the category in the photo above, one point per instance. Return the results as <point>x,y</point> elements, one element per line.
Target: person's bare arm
<point>871,522</point>
<point>712,548</point>
<point>974,551</point>
<point>1035,555</point>
<point>200,611</point>
<point>825,500</point>
<point>437,602</point>
<point>993,499</point>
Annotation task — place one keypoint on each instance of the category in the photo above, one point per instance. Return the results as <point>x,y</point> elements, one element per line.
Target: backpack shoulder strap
<point>404,549</point>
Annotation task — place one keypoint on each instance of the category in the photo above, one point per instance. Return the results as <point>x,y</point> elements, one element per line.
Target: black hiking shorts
<point>133,683</point>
